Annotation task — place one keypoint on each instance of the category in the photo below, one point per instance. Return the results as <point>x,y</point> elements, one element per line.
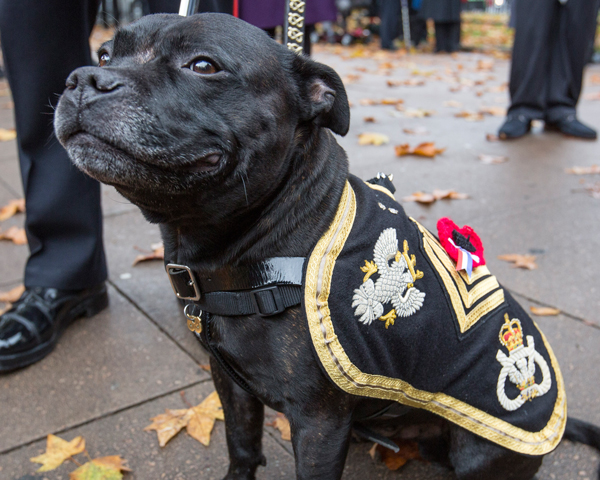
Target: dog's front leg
<point>244,416</point>
<point>320,439</point>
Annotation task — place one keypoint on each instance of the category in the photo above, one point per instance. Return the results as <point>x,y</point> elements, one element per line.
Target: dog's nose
<point>95,78</point>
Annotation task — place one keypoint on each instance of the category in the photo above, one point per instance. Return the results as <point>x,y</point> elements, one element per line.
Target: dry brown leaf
<point>452,103</point>
<point>12,295</point>
<point>420,197</point>
<point>158,253</point>
<point>520,261</point>
<point>593,189</point>
<point>57,451</point>
<point>12,208</point>
<point>371,138</point>
<point>391,101</point>
<point>282,424</point>
<point>7,134</point>
<point>485,65</point>
<point>470,116</point>
<point>449,195</point>
<point>103,468</point>
<point>351,78</point>
<point>368,101</point>
<point>411,82</point>
<point>494,111</point>
<point>592,96</point>
<point>409,450</point>
<point>168,424</point>
<point>427,149</point>
<point>416,131</point>
<point>205,367</point>
<point>492,159</point>
<point>199,421</point>
<point>403,149</point>
<point>418,113</point>
<point>369,120</point>
<point>490,137</point>
<point>594,169</point>
<point>544,311</point>
<point>16,235</point>
<point>595,79</point>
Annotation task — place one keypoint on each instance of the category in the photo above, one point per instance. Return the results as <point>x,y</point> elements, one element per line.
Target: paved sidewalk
<point>110,374</point>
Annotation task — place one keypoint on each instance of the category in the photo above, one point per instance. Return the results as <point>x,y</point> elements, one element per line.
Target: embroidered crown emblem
<point>519,367</point>
<point>511,334</point>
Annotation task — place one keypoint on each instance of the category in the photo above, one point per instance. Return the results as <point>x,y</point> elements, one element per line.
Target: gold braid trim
<point>349,378</point>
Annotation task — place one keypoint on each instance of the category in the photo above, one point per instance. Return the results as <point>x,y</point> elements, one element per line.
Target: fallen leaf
<point>199,421</point>
<point>490,137</point>
<point>391,101</point>
<point>485,65</point>
<point>282,424</point>
<point>403,149</point>
<point>168,424</point>
<point>12,295</point>
<point>57,451</point>
<point>205,367</point>
<point>416,131</point>
<point>12,208</point>
<point>449,195</point>
<point>593,189</point>
<point>411,82</point>
<point>103,468</point>
<point>452,103</point>
<point>520,261</point>
<point>368,101</point>
<point>420,197</point>
<point>409,450</point>
<point>16,235</point>
<point>351,78</point>
<point>373,139</point>
<point>369,119</point>
<point>592,96</point>
<point>492,159</point>
<point>158,253</point>
<point>426,149</point>
<point>494,111</point>
<point>418,113</point>
<point>544,311</point>
<point>470,116</point>
<point>594,169</point>
<point>7,134</point>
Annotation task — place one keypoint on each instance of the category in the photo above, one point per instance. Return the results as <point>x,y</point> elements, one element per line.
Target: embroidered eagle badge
<point>395,285</point>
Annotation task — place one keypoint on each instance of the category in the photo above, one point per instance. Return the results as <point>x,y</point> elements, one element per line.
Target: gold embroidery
<point>381,189</point>
<point>411,262</point>
<point>389,318</point>
<point>456,284</point>
<point>348,377</point>
<point>370,268</point>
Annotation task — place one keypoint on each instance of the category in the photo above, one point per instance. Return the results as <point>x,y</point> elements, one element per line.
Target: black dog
<point>223,137</point>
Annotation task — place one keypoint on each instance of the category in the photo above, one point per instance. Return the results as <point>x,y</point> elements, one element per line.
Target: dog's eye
<point>104,59</point>
<point>203,67</point>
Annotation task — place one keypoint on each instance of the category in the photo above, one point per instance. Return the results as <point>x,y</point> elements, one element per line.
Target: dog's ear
<point>323,96</point>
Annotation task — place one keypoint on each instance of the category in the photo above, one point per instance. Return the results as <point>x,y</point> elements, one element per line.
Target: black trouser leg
<point>443,41</point>
<point>390,22</point>
<point>570,47</point>
<point>42,43</point>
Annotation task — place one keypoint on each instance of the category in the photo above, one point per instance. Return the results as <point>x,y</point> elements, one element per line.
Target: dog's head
<point>181,111</point>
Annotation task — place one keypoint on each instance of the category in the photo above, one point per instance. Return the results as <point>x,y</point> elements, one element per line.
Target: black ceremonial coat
<point>391,318</point>
<point>441,10</point>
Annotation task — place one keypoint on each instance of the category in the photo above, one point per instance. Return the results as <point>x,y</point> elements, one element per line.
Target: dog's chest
<point>391,318</point>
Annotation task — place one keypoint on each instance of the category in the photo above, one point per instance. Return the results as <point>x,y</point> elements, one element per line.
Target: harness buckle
<point>276,299</point>
<point>183,282</point>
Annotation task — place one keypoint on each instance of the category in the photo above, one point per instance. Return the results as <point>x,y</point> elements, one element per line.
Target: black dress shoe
<point>31,328</point>
<point>514,126</point>
<point>572,127</point>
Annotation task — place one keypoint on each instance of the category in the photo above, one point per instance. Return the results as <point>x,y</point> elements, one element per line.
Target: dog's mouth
<point>111,164</point>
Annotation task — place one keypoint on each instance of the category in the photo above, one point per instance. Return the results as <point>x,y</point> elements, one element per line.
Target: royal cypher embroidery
<point>395,284</point>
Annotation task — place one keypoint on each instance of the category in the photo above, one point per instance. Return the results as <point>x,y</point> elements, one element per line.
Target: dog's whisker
<point>245,192</point>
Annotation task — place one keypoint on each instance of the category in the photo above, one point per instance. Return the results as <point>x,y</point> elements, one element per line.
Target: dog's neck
<point>289,223</point>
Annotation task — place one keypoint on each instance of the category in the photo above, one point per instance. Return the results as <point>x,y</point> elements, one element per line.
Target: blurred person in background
<point>391,25</point>
<point>446,17</point>
<point>551,47</point>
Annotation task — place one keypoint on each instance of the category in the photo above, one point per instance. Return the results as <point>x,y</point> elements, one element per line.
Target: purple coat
<point>270,13</point>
